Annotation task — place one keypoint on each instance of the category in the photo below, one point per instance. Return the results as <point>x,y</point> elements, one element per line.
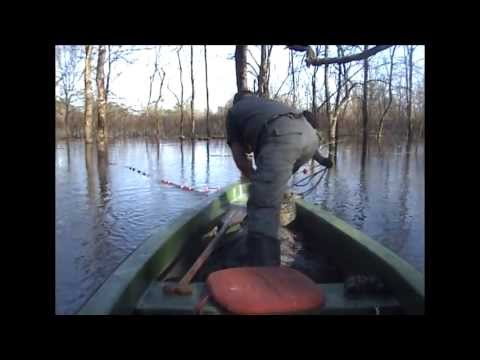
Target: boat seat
<point>156,302</point>
<point>265,290</point>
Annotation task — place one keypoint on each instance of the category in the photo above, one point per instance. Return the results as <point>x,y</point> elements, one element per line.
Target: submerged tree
<point>88,96</point>
<point>193,93</point>
<point>408,77</point>
<point>365,96</point>
<point>390,95</point>
<point>101,104</point>
<point>206,86</point>
<point>181,92</point>
<point>68,75</point>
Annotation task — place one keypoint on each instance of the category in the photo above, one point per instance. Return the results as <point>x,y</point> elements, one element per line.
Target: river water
<point>104,209</point>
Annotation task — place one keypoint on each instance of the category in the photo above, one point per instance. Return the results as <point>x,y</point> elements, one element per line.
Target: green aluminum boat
<point>136,286</point>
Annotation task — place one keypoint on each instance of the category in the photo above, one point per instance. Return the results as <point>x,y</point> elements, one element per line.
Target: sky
<point>130,82</point>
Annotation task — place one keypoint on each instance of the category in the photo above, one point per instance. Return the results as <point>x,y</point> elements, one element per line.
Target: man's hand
<point>322,160</point>
<point>241,159</point>
<point>327,163</point>
<point>244,179</point>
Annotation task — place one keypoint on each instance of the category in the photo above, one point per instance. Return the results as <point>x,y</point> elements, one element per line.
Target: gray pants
<point>284,146</point>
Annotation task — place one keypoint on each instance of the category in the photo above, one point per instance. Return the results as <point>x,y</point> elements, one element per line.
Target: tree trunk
<point>157,116</point>
<point>181,93</point>
<point>263,75</point>
<point>365,96</point>
<point>294,97</point>
<point>331,130</point>
<point>241,67</point>
<point>101,123</point>
<point>107,86</point>
<point>409,90</point>
<point>88,96</point>
<point>65,119</point>
<point>206,85</point>
<point>193,93</point>
<point>390,95</point>
<point>333,135</point>
<point>314,91</point>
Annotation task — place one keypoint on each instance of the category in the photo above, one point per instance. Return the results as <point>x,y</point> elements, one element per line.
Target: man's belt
<point>289,114</point>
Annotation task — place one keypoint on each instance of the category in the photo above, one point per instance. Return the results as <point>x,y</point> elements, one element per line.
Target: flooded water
<point>104,209</point>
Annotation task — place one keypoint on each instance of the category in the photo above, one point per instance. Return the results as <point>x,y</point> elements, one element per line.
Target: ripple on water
<point>98,226</point>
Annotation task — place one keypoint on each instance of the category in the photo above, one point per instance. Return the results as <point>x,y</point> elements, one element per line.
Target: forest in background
<point>352,90</point>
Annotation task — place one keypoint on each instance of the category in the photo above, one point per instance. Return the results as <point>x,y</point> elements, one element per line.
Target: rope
<point>203,191</point>
<point>308,177</point>
<point>299,183</point>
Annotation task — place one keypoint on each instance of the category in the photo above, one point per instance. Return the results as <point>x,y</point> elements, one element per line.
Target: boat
<point>136,286</point>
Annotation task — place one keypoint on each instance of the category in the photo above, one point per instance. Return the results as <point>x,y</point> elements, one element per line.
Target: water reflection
<point>182,167</point>
<point>91,172</point>
<point>207,168</point>
<point>102,162</point>
<point>192,174</point>
<point>68,155</point>
<point>363,193</point>
<point>403,207</point>
<point>104,210</point>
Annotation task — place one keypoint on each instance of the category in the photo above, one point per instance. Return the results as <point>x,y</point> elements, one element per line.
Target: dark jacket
<point>247,118</point>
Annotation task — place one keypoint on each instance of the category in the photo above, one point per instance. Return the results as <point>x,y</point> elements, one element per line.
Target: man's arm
<point>243,163</point>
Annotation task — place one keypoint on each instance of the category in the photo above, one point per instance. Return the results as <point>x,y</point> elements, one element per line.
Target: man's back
<point>248,116</point>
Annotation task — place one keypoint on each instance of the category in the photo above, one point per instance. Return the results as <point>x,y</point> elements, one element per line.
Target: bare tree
<point>101,104</point>
<point>110,62</point>
<point>193,93</point>
<point>68,75</point>
<point>342,96</point>
<point>161,75</point>
<point>390,97</point>
<point>117,53</point>
<point>157,119</point>
<point>314,88</point>
<point>365,95</point>
<point>206,85</point>
<point>241,67</point>
<point>149,101</point>
<point>327,104</point>
<point>264,71</point>
<point>408,77</point>
<point>88,96</point>
<point>58,62</point>
<point>181,92</point>
<point>293,89</point>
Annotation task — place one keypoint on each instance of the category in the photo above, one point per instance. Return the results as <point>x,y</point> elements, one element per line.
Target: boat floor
<point>156,302</point>
<point>232,252</point>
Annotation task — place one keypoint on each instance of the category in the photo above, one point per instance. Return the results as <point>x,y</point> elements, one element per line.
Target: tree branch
<point>253,57</point>
<point>313,60</point>
<point>253,68</point>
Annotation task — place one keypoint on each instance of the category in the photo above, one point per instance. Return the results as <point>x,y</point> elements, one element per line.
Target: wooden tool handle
<point>233,215</point>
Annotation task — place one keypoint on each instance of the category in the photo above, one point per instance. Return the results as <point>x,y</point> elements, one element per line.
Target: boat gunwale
<point>394,268</point>
<point>108,297</point>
